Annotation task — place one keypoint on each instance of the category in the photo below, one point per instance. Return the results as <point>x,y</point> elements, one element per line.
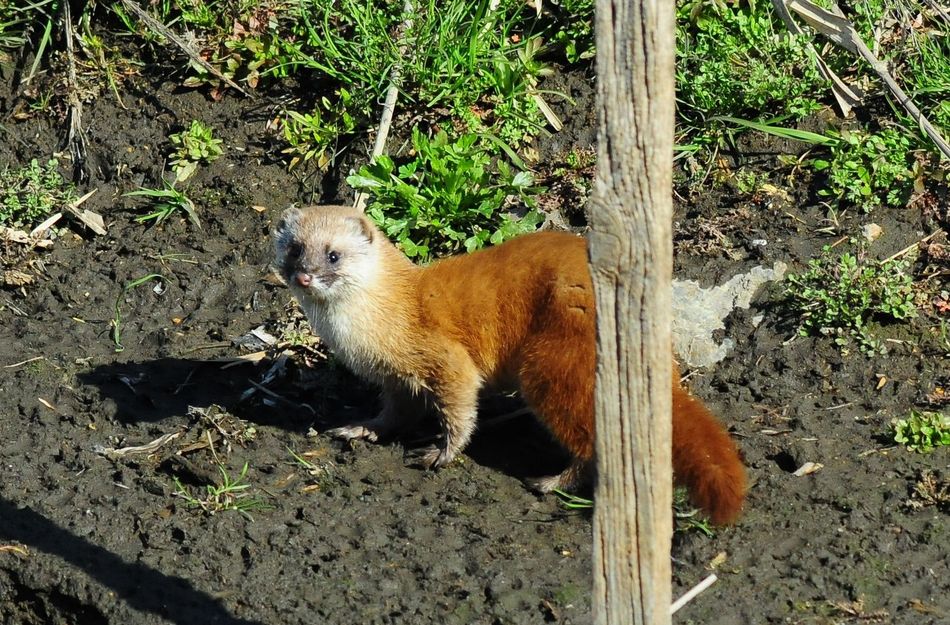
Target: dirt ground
<point>360,535</point>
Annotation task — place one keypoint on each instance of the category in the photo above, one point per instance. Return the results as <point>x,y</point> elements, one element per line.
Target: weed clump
<point>733,59</point>
<point>230,494</point>
<point>922,431</point>
<point>839,296</point>
<point>864,167</point>
<point>31,193</point>
<point>164,203</point>
<point>449,196</point>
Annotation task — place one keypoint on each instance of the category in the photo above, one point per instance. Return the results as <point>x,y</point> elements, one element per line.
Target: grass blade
<point>781,132</point>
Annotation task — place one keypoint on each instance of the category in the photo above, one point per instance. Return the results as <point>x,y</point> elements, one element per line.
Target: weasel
<point>518,314</point>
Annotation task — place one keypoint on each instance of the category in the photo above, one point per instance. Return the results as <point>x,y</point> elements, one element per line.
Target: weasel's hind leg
<point>556,378</point>
<point>574,477</point>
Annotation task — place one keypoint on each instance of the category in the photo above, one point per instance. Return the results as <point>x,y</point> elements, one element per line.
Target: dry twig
<point>170,35</point>
<point>841,32</point>
<point>389,106</point>
<point>691,594</point>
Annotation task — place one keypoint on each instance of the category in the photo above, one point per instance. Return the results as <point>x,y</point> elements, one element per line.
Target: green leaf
<point>359,181</point>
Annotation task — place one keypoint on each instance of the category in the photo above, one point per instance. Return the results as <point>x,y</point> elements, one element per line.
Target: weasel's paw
<point>544,484</point>
<point>350,432</point>
<point>575,476</point>
<point>433,457</point>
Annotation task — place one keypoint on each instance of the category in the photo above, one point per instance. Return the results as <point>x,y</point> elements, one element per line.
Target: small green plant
<point>580,158</point>
<point>319,475</point>
<point>448,197</point>
<point>572,501</point>
<point>839,296</point>
<point>193,146</point>
<point>922,431</point>
<point>165,202</point>
<point>864,167</point>
<point>30,194</point>
<point>311,135</point>
<point>230,494</point>
<point>686,515</point>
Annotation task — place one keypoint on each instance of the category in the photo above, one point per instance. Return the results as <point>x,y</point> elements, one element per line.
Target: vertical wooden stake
<point>631,266</point>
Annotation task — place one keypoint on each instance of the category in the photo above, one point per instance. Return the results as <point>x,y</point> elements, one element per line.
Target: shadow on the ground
<point>142,587</point>
<point>151,391</point>
<point>154,390</point>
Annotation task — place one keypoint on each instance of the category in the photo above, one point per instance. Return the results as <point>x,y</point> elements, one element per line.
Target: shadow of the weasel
<point>151,391</point>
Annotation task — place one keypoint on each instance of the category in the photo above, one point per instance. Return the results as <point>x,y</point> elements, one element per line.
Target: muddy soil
<point>356,534</point>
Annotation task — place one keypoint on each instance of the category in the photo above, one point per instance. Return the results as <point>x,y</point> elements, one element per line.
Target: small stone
<point>871,232</point>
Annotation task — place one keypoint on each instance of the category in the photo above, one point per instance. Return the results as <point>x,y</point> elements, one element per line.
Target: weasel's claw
<point>433,457</point>
<point>350,432</point>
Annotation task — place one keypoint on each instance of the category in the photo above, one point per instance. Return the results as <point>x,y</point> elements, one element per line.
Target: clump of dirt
<point>92,531</point>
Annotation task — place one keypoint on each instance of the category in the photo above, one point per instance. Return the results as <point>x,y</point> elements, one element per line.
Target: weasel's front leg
<point>456,398</point>
<point>400,409</point>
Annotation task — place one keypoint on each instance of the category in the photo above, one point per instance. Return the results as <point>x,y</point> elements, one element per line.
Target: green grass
<point>737,66</point>
<point>164,203</point>
<point>572,501</point>
<point>739,60</point>
<point>230,494</point>
<point>467,63</point>
<point>474,70</point>
<point>687,518</point>
<point>30,194</point>
<point>841,295</point>
<point>28,23</point>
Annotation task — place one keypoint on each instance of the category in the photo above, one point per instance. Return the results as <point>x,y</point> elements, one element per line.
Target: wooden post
<point>631,265</point>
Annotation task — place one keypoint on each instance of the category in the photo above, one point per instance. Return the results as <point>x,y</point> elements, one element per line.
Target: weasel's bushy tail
<point>705,459</point>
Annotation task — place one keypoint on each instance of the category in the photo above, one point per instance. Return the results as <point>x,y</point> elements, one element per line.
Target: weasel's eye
<point>294,251</point>
<point>333,257</point>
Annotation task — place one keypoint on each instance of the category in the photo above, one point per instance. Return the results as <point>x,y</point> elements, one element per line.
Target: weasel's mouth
<point>313,281</point>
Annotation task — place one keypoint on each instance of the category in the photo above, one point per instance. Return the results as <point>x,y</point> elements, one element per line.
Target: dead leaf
<point>718,561</point>
<point>15,278</point>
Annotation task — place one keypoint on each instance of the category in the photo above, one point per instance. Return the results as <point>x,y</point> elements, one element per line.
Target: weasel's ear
<point>289,219</point>
<point>363,226</point>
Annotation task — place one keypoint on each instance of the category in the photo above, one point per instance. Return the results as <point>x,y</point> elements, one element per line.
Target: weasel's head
<point>325,253</point>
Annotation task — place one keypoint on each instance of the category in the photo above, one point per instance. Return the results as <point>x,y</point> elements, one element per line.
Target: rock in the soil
<point>699,312</point>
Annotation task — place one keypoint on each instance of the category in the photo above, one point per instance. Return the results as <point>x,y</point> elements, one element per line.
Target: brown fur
<point>519,314</point>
